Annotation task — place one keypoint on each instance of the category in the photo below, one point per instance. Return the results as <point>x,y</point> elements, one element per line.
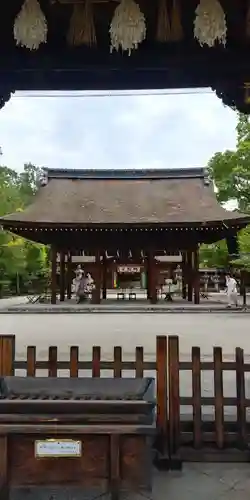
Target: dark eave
<point>129,174</point>
<point>158,227</point>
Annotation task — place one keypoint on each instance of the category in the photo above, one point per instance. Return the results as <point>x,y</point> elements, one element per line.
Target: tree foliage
<point>214,255</point>
<point>20,260</point>
<point>230,172</point>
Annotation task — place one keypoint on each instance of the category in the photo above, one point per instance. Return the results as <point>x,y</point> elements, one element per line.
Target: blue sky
<point>115,132</point>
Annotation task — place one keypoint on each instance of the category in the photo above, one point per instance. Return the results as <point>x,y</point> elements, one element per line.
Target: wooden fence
<point>197,435</point>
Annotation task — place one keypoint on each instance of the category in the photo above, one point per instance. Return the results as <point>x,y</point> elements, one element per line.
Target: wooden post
<point>196,390</point>
<point>147,273</point>
<point>96,296</point>
<point>162,393</point>
<point>190,275</point>
<point>104,276</point>
<point>4,485</point>
<point>243,286</point>
<point>241,398</point>
<point>174,396</point>
<point>184,285</point>
<point>218,396</point>
<point>7,355</point>
<point>115,473</point>
<point>53,274</point>
<point>69,275</point>
<point>152,292</point>
<point>62,276</point>
<point>196,276</point>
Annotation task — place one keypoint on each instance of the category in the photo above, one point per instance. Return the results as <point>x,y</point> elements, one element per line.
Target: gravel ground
<point>107,330</point>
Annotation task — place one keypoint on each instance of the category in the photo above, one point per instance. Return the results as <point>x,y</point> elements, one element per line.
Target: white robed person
<point>77,280</point>
<point>231,290</point>
<point>90,284</point>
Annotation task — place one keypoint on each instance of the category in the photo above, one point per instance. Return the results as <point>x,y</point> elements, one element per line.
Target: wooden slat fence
<point>207,433</point>
<point>201,434</point>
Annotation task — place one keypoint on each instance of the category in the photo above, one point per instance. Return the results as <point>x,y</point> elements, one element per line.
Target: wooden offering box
<point>70,439</point>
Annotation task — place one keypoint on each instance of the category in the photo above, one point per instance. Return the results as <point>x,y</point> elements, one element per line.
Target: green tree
<point>36,259</point>
<point>28,182</point>
<point>19,258</point>
<point>10,196</point>
<point>214,255</point>
<point>230,171</point>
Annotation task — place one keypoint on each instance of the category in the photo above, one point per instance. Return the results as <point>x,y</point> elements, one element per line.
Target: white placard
<point>58,448</point>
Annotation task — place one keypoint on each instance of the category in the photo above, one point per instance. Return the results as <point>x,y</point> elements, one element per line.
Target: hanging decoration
<point>82,26</point>
<point>30,26</point>
<point>210,23</point>
<point>128,27</point>
<point>163,33</point>
<point>176,25</point>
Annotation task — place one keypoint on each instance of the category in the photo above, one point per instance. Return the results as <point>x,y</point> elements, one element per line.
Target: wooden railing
<point>181,435</point>
<point>213,436</point>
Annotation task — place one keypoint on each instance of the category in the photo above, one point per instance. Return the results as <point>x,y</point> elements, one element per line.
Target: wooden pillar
<point>196,275</point>
<point>62,276</point>
<point>152,291</point>
<point>184,271</point>
<point>243,290</point>
<point>147,275</point>
<point>104,276</point>
<point>4,466</point>
<point>53,274</point>
<point>69,275</point>
<point>189,275</point>
<point>147,282</point>
<point>96,296</point>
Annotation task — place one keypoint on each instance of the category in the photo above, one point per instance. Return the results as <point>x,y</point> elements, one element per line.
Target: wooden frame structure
<point>172,62</point>
<point>181,436</point>
<point>140,213</point>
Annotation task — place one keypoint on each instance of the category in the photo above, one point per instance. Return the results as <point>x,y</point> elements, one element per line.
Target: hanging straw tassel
<point>82,27</point>
<point>177,33</point>
<point>163,33</point>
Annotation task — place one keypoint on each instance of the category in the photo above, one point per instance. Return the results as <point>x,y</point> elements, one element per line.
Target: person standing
<point>232,293</point>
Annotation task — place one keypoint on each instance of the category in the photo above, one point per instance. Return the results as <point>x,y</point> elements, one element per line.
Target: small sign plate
<point>63,448</point>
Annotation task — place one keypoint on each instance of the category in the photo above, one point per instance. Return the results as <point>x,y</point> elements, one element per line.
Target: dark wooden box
<point>75,438</point>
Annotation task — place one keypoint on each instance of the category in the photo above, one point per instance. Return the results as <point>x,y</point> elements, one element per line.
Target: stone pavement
<point>12,302</point>
<point>217,302</point>
<point>107,330</point>
<point>204,481</point>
